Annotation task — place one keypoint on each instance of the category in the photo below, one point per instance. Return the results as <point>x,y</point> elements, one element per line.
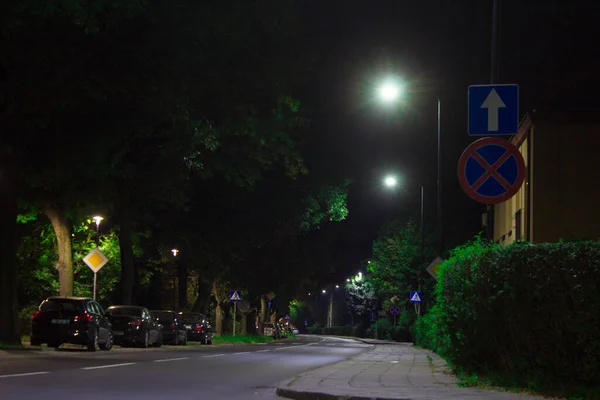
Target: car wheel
<point>109,342</point>
<point>159,341</point>
<point>184,343</point>
<point>93,344</point>
<point>177,338</point>
<point>146,341</point>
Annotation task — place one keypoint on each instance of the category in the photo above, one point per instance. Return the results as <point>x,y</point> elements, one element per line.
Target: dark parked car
<point>197,326</point>
<point>76,320</point>
<point>173,330</point>
<point>133,325</point>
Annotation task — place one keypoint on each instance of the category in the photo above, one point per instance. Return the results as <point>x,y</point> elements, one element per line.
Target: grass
<point>238,339</point>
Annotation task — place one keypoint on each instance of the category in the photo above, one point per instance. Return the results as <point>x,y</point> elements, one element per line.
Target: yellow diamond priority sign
<point>432,268</point>
<point>95,260</point>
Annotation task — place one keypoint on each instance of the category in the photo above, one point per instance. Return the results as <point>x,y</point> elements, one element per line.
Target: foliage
<point>338,330</point>
<point>360,297</point>
<point>37,259</point>
<point>524,311</point>
<point>327,205</point>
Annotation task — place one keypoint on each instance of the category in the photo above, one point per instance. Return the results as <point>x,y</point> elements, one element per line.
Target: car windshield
<point>193,318</point>
<point>59,305</point>
<point>126,311</point>
<point>162,315</point>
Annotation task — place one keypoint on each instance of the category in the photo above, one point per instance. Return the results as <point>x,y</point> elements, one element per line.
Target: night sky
<point>438,48</point>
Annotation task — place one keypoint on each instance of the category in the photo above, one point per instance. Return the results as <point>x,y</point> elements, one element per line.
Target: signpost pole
<point>234,315</point>
<point>95,273</point>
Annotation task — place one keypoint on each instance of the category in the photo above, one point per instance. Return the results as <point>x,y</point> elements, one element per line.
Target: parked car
<point>75,320</point>
<point>134,325</point>
<point>197,326</point>
<point>173,330</point>
<point>270,329</point>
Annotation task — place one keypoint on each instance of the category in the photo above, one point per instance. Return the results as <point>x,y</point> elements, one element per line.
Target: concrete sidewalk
<point>389,371</point>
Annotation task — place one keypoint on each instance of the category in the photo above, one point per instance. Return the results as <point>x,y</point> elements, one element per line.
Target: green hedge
<point>531,312</point>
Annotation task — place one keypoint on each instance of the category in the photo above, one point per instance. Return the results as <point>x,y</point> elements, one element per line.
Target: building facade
<point>560,196</point>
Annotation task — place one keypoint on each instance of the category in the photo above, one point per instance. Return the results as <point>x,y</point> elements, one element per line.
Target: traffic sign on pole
<point>415,297</point>
<point>432,268</point>
<point>491,170</point>
<point>235,296</point>
<point>394,310</point>
<point>95,260</point>
<point>493,110</point>
<point>269,303</point>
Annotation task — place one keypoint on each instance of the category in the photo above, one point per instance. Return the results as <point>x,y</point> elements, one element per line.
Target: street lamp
<point>422,235</point>
<point>389,181</point>
<point>174,251</point>
<point>389,92</point>
<point>97,219</point>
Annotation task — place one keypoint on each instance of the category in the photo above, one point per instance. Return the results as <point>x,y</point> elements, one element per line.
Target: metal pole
<point>439,179</point>
<point>234,315</point>
<point>95,273</point>
<point>494,52</point>
<point>97,234</point>
<point>331,307</point>
<point>422,241</point>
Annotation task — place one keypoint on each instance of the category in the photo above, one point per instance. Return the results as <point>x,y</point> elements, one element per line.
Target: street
<point>212,372</point>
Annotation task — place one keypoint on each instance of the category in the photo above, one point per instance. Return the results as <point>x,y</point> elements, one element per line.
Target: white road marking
<point>262,351</point>
<point>298,343</point>
<point>108,366</point>
<point>283,348</point>
<point>172,359</point>
<point>24,374</point>
<point>213,355</point>
<point>242,352</point>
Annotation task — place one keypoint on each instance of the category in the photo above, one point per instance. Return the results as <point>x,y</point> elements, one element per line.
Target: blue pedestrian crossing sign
<point>415,297</point>
<point>235,295</point>
<point>269,303</point>
<point>493,110</point>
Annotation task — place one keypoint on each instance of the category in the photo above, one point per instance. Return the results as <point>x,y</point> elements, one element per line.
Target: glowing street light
<point>324,291</point>
<point>390,91</point>
<point>337,286</point>
<point>174,251</point>
<point>97,219</point>
<point>348,280</point>
<point>390,181</point>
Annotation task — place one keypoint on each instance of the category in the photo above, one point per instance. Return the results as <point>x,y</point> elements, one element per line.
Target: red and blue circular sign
<point>394,310</point>
<point>491,170</point>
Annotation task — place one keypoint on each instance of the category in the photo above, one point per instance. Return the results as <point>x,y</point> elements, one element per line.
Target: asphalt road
<point>192,372</point>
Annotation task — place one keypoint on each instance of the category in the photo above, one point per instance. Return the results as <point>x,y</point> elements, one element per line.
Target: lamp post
<point>97,219</point>
<point>391,181</point>
<point>390,92</point>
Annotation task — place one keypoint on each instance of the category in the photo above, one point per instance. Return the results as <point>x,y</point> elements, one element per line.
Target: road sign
<point>269,303</point>
<point>493,110</point>
<point>95,260</point>
<point>432,268</point>
<point>394,310</point>
<point>235,295</point>
<point>270,295</point>
<point>287,317</point>
<point>491,170</point>
<point>415,297</point>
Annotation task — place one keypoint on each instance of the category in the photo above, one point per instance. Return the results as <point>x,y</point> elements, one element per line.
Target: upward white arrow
<point>493,103</point>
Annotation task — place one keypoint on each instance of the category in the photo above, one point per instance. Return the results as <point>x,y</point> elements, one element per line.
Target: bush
<point>379,329</point>
<point>338,330</point>
<point>398,333</point>
<point>316,329</point>
<point>525,311</point>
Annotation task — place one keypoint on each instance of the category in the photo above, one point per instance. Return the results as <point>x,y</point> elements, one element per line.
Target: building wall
<point>563,184</point>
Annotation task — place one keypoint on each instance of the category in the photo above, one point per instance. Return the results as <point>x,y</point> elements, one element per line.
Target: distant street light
<point>97,219</point>
<point>348,280</point>
<point>324,291</point>
<point>174,251</point>
<point>337,286</point>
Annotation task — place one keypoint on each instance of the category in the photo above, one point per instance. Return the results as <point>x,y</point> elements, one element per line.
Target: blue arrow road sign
<point>269,303</point>
<point>493,110</point>
<point>415,297</point>
<point>235,295</point>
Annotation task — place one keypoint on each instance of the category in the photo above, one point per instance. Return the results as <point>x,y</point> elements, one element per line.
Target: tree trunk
<point>9,315</point>
<point>263,315</point>
<point>200,305</point>
<point>182,283</point>
<point>125,243</point>
<point>62,230</point>
<point>218,316</point>
<point>244,324</point>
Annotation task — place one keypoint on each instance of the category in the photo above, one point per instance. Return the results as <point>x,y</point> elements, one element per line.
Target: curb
<point>303,395</point>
